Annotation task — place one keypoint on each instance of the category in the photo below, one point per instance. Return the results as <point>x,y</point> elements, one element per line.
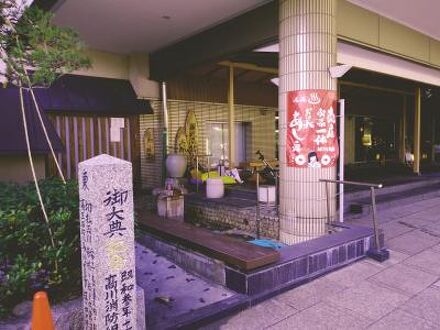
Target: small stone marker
<point>107,243</point>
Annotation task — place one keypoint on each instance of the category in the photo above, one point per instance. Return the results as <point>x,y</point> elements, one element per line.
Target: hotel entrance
<point>380,118</point>
<point>430,134</point>
<point>375,139</point>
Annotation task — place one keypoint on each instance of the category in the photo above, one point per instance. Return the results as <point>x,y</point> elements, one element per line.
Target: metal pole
<point>403,132</point>
<point>355,183</point>
<point>197,173</point>
<point>231,116</point>
<point>257,213</point>
<point>375,225</point>
<point>328,206</point>
<point>341,157</point>
<point>418,106</point>
<point>165,130</point>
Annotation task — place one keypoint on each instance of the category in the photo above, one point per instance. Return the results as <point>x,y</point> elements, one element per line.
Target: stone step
<point>363,205</point>
<point>424,181</point>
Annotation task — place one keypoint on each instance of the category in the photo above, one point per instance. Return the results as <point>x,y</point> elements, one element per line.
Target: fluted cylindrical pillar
<point>307,38</point>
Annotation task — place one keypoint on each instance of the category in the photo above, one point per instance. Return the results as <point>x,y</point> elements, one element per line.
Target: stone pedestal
<point>171,206</point>
<point>107,243</point>
<point>140,312</point>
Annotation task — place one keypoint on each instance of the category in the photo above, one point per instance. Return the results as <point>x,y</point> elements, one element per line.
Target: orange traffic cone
<point>41,314</point>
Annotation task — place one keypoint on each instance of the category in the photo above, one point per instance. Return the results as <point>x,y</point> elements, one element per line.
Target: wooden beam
<point>245,32</point>
<point>213,71</point>
<point>250,67</point>
<point>378,88</point>
<point>266,79</point>
<point>433,138</point>
<point>241,74</point>
<point>235,253</point>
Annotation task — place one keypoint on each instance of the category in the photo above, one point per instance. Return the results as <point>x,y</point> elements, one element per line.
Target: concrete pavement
<point>401,293</point>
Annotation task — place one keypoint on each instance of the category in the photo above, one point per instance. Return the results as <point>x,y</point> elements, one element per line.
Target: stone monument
<point>107,243</point>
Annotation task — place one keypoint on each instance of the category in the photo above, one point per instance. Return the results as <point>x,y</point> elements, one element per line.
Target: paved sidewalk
<point>401,293</point>
<point>170,291</point>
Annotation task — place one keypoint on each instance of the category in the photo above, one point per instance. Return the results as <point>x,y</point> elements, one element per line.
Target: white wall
<point>138,73</point>
<point>17,168</point>
<point>134,67</point>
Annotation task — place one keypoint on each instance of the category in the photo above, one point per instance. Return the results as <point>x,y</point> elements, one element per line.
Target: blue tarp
<point>267,243</point>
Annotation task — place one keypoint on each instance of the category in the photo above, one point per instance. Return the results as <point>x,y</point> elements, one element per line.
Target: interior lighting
<point>275,81</point>
<point>428,93</point>
<point>338,71</point>
<point>274,48</point>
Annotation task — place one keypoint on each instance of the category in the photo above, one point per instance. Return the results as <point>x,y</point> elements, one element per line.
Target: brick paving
<point>401,293</point>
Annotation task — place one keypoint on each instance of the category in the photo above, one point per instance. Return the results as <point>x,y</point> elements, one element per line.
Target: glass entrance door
<point>375,139</point>
<point>218,145</point>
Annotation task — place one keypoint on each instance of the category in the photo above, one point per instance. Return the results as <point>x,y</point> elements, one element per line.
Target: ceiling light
<point>428,93</point>
<point>274,48</point>
<point>338,71</point>
<point>275,81</point>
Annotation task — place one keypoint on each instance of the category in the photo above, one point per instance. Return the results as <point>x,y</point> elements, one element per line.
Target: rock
<point>73,320</point>
<point>163,300</point>
<point>23,309</point>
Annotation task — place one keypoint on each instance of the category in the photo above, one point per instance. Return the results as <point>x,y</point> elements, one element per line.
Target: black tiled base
<point>206,315</point>
<point>379,255</point>
<point>302,262</point>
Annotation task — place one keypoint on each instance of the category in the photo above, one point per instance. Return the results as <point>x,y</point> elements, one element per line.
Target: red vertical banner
<point>312,139</point>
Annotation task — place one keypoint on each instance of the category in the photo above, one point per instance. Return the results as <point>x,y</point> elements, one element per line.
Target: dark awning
<point>69,94</point>
<point>12,138</point>
<point>96,95</point>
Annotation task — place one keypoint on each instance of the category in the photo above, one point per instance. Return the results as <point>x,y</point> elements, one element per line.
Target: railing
<point>372,187</point>
<point>257,212</point>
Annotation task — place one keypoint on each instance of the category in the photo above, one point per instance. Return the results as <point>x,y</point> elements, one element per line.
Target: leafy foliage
<point>34,52</point>
<point>26,254</point>
<point>34,44</point>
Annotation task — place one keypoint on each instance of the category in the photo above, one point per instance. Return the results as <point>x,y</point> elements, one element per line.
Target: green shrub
<point>27,257</point>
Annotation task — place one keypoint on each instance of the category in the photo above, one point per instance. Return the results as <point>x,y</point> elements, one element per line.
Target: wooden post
<point>433,137</point>
<point>231,115</point>
<point>418,106</point>
<point>403,132</point>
